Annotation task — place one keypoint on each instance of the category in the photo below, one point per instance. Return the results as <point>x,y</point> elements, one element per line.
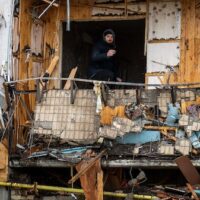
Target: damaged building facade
<point>61,131</point>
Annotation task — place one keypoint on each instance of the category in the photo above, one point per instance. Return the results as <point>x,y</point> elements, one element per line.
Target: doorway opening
<point>130,39</point>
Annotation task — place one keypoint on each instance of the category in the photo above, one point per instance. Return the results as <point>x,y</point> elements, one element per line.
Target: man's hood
<point>109,31</point>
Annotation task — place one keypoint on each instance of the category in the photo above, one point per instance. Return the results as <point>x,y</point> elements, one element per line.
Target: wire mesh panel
<point>56,116</point>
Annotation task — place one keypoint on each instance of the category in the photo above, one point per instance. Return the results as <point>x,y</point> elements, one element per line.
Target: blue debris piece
<point>197,192</point>
<point>139,138</point>
<point>39,154</point>
<point>71,154</point>
<point>173,114</point>
<point>72,150</point>
<point>195,139</point>
<point>180,134</point>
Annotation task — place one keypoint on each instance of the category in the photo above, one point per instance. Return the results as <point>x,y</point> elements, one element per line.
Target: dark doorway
<point>130,34</point>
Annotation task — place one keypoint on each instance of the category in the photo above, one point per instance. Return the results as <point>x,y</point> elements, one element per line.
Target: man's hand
<point>111,53</point>
<point>119,79</point>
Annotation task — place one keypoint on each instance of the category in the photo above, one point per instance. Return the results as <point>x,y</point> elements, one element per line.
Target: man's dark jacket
<point>100,61</point>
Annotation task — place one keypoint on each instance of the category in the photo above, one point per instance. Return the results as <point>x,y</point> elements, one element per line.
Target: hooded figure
<point>103,65</point>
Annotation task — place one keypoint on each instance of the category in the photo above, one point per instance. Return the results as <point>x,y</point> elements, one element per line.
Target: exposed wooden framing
<point>112,18</point>
<point>146,28</point>
<point>188,69</point>
<point>25,69</point>
<point>100,182</point>
<point>87,167</point>
<point>197,40</point>
<point>164,41</point>
<point>71,75</point>
<point>3,162</point>
<point>126,7</point>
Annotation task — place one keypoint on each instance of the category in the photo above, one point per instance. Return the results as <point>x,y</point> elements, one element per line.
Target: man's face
<point>109,38</point>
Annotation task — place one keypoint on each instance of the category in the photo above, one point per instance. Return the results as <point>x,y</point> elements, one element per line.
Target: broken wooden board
<point>84,169</point>
<point>71,76</point>
<point>52,65</point>
<point>3,162</point>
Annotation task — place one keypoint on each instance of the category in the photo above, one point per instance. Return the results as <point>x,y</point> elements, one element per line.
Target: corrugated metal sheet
<point>164,20</point>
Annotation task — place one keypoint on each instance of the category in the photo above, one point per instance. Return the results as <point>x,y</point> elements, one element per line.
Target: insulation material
<point>140,138</point>
<point>15,34</point>
<point>107,114</point>
<point>106,12</point>
<point>121,97</point>
<point>159,55</point>
<point>183,146</point>
<point>15,68</point>
<point>108,132</point>
<point>5,30</point>
<point>36,39</point>
<point>119,9</point>
<point>166,149</point>
<point>153,80</point>
<point>164,20</point>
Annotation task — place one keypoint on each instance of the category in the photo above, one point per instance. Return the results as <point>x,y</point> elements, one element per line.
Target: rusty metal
<point>188,170</point>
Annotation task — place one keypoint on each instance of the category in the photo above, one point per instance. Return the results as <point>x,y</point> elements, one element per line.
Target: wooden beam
<point>87,167</point>
<point>3,163</point>
<point>164,41</point>
<point>71,75</point>
<point>100,183</point>
<point>52,65</point>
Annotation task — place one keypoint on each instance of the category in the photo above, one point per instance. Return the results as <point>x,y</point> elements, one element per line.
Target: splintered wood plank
<point>87,167</point>
<point>3,163</point>
<point>25,68</point>
<point>100,183</point>
<point>71,75</point>
<point>52,65</point>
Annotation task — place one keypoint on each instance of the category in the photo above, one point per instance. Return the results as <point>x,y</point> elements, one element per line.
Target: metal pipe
<point>69,190</point>
<point>68,15</point>
<point>104,82</point>
<point>45,10</point>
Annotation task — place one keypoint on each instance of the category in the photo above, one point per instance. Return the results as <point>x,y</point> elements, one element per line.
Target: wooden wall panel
<point>197,40</point>
<point>51,39</point>
<point>189,70</point>
<point>25,68</point>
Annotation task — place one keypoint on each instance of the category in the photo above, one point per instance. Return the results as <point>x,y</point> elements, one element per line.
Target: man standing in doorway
<point>103,64</point>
